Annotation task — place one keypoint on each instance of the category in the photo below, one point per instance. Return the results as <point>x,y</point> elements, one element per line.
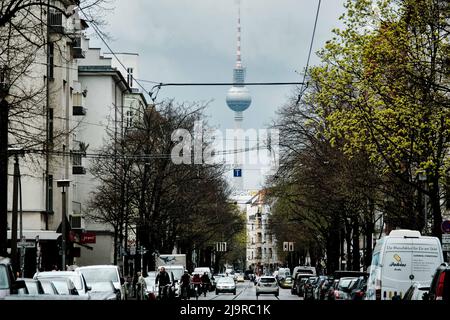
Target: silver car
<point>225,284</point>
<point>267,284</point>
<point>76,277</point>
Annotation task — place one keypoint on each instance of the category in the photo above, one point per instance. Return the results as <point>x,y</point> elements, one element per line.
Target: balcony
<point>78,109</point>
<point>77,155</point>
<point>78,170</point>
<point>77,50</point>
<point>55,22</point>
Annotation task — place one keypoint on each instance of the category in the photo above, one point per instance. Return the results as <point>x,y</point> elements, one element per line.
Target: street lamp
<point>63,184</point>
<point>423,180</point>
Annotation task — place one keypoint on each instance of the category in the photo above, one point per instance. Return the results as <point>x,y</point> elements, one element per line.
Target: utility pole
<point>4,112</point>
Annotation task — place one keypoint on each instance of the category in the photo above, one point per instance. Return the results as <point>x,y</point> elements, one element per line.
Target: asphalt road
<point>247,291</point>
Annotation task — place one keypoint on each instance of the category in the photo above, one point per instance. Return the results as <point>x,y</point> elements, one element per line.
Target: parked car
<point>332,289</point>
<point>317,287</point>
<point>416,292</point>
<point>304,270</point>
<point>325,288</point>
<point>31,287</point>
<point>8,283</point>
<point>74,276</point>
<point>358,288</point>
<point>286,283</point>
<point>102,273</point>
<point>440,285</point>
<point>64,286</point>
<point>308,289</point>
<point>226,284</point>
<point>299,281</point>
<point>342,292</point>
<point>104,291</point>
<point>267,284</point>
<point>48,287</point>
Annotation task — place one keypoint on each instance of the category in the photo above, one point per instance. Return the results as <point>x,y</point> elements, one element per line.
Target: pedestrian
<point>141,285</point>
<point>135,279</point>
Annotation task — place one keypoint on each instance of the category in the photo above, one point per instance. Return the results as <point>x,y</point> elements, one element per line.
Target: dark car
<point>308,291</point>
<point>358,288</point>
<point>299,281</point>
<point>330,294</point>
<point>440,285</point>
<point>325,288</point>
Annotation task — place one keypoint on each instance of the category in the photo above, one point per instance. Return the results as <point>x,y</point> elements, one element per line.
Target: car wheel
<point>234,292</point>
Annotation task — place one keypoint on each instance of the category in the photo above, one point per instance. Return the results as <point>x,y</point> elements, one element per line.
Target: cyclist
<point>185,285</point>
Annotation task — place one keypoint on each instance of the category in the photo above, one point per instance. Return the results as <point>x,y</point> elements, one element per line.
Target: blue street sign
<point>237,173</point>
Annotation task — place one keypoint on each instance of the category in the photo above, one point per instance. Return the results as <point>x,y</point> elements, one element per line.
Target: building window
<point>50,193</point>
<point>130,76</point>
<point>51,59</point>
<point>129,120</point>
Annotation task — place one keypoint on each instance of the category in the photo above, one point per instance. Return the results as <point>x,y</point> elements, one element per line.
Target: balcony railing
<point>55,21</point>
<point>77,50</point>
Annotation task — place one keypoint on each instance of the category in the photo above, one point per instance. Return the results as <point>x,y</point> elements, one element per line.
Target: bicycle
<point>185,292</point>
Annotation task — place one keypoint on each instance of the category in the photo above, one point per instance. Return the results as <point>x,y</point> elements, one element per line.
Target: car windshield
<point>345,283</point>
<point>102,287</point>
<point>100,275</point>
<point>3,277</point>
<point>225,280</point>
<point>268,280</point>
<point>32,287</point>
<point>47,287</point>
<point>61,286</point>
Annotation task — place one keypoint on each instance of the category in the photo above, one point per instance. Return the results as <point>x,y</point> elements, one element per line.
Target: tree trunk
<point>356,256</point>
<point>436,209</point>
<point>348,240</point>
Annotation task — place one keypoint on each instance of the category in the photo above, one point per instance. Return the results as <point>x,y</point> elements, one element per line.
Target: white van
<point>304,269</point>
<point>399,260</point>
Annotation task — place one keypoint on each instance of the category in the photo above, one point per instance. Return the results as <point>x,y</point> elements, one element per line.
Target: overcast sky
<point>195,41</point>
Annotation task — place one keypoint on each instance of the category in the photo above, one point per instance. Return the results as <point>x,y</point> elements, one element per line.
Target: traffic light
<point>285,246</point>
<point>291,246</point>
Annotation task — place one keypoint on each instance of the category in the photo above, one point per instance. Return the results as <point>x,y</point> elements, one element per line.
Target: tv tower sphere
<point>238,99</point>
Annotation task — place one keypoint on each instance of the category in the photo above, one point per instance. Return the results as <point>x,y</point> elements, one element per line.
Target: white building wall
<point>127,61</point>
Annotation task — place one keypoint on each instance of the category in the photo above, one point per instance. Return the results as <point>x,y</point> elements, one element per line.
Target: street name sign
<point>26,244</point>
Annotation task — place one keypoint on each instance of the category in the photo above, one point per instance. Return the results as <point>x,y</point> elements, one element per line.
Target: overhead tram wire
<point>159,85</point>
<point>185,84</point>
<point>113,53</point>
<point>305,85</point>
